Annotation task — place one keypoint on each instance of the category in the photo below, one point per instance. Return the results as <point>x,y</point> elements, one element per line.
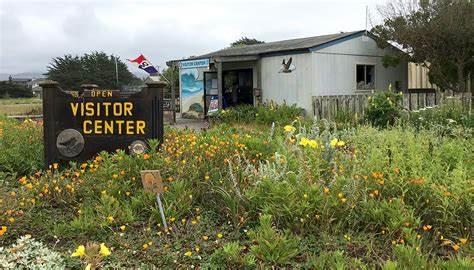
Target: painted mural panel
<point>192,91</point>
<point>191,81</point>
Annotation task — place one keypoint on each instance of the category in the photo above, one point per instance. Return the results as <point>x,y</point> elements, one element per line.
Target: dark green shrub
<point>13,90</point>
<point>238,114</point>
<point>262,114</point>
<point>277,113</point>
<point>383,108</point>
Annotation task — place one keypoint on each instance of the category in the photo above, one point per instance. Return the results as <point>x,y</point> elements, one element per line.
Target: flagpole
<point>116,70</point>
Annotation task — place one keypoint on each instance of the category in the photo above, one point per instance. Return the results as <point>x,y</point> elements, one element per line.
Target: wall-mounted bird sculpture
<point>287,67</point>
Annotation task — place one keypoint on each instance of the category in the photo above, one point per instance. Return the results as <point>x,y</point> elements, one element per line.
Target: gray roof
<point>279,46</point>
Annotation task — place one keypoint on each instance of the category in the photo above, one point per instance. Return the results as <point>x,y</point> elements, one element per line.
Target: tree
<point>14,90</point>
<point>167,76</point>
<point>434,33</point>
<point>245,41</point>
<point>94,68</point>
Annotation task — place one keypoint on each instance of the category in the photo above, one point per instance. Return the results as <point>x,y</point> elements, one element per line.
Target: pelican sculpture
<point>287,67</point>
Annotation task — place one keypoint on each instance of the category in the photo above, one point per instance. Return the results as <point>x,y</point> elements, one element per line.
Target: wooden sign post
<point>153,183</point>
<point>78,125</point>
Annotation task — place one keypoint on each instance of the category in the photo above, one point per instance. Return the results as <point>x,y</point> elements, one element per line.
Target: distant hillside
<point>28,75</point>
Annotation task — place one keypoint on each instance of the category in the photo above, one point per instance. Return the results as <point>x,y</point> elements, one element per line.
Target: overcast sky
<point>33,32</point>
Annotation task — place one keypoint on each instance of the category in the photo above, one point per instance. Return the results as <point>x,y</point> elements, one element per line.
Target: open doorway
<point>237,87</point>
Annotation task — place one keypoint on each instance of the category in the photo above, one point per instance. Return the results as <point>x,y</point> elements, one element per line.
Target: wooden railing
<point>326,107</point>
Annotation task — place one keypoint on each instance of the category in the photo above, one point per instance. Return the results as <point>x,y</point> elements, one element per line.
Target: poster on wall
<point>192,87</point>
<point>213,105</point>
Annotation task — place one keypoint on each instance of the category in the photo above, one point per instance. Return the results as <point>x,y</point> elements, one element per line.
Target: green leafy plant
<point>279,248</point>
<point>383,108</point>
<point>232,255</point>
<point>332,260</point>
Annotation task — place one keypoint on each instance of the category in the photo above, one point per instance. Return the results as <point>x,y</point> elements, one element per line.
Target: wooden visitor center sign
<point>78,126</point>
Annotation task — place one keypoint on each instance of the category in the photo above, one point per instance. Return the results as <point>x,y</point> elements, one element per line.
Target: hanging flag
<point>144,64</point>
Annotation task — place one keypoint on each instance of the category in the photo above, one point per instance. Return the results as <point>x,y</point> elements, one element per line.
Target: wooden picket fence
<point>326,107</point>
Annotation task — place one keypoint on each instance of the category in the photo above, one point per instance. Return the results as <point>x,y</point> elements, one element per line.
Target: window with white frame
<point>365,77</point>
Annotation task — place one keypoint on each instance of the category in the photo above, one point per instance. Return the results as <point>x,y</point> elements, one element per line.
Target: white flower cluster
<point>30,254</point>
<point>425,108</point>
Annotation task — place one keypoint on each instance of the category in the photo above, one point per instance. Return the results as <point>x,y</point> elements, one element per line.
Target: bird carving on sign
<point>71,143</point>
<point>287,67</point>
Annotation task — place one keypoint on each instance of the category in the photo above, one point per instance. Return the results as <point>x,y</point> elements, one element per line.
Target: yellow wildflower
<point>123,227</point>
<point>326,190</point>
<point>304,141</point>
<point>104,251</point>
<point>80,251</point>
<point>463,240</point>
<point>455,247</point>
<point>313,144</point>
<point>205,237</point>
<point>3,230</point>
<point>336,143</point>
<point>289,128</point>
<point>189,253</point>
<point>219,235</point>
